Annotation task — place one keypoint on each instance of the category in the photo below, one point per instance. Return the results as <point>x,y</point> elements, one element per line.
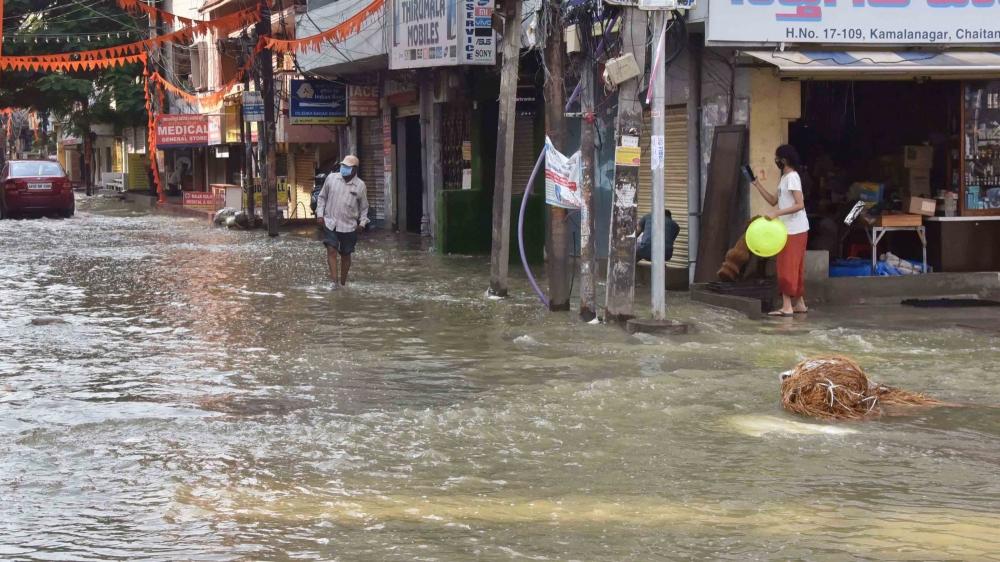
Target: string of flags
<point>68,38</point>
<point>339,32</point>
<point>224,25</point>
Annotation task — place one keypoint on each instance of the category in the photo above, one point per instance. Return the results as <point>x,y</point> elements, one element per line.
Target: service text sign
<point>429,33</point>
<point>896,22</point>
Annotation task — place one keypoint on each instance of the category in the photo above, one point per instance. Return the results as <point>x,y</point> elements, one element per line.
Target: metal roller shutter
<point>372,164</point>
<point>305,173</point>
<point>525,154</point>
<point>676,178</point>
<point>675,181</point>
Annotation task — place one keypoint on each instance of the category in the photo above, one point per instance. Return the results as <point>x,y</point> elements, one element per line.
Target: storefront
<point>183,140</point>
<point>910,132</point>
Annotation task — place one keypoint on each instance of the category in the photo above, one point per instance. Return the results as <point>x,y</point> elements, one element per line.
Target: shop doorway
<point>852,137</point>
<point>410,187</point>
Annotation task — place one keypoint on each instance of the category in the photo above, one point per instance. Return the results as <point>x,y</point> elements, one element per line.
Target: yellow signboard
<point>258,197</point>
<point>627,155</point>
<point>138,172</point>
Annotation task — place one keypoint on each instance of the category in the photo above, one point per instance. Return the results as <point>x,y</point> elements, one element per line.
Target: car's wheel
<point>67,213</point>
<point>3,210</point>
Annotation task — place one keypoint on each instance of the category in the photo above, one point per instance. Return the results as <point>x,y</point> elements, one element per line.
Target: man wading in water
<point>342,211</point>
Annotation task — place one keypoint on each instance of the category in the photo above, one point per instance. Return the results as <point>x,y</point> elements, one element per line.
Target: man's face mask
<point>346,171</point>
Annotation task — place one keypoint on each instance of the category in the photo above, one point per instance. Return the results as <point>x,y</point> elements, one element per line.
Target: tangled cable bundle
<point>837,388</point>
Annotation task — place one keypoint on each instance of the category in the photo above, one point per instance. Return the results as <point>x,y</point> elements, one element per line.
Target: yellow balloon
<point>765,238</point>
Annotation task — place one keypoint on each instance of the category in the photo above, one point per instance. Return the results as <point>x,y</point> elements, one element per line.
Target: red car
<point>37,187</point>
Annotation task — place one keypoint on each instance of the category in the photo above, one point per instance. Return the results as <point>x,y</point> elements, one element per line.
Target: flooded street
<point>170,391</point>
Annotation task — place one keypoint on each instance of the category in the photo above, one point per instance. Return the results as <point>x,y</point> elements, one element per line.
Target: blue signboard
<point>318,102</point>
<point>253,106</point>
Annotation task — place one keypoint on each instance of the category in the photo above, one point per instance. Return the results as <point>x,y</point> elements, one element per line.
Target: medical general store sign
<point>897,22</point>
<point>181,130</point>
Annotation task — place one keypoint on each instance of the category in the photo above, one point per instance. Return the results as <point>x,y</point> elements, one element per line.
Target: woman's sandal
<point>780,314</point>
<point>806,311</point>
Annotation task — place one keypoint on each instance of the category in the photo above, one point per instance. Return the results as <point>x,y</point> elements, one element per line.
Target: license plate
<point>39,186</point>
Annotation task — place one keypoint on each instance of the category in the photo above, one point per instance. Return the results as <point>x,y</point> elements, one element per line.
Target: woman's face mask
<point>346,171</point>
<point>779,164</point>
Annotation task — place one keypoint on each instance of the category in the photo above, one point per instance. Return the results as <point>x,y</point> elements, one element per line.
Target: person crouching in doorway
<point>791,210</point>
<point>342,211</point>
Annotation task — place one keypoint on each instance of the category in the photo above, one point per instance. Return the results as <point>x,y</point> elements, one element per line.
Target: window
<point>35,169</point>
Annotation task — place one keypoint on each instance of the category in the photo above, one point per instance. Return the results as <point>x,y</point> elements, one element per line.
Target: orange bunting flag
<point>339,32</point>
<point>34,65</point>
<point>222,26</point>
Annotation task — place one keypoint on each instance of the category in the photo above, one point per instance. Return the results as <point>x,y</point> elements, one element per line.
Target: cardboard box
<point>921,206</point>
<point>918,182</point>
<point>920,157</point>
<point>900,220</point>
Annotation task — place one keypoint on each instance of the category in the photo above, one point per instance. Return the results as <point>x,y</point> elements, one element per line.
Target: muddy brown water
<point>169,391</point>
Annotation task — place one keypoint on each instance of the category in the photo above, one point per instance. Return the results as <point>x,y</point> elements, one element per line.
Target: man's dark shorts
<point>343,242</point>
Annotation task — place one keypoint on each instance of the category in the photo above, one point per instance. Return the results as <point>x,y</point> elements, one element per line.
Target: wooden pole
<point>269,169</point>
<point>588,249</point>
<point>502,189</point>
<point>557,244</point>
<point>621,246</point>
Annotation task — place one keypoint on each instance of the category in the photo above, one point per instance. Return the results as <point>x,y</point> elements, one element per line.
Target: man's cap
<point>350,160</point>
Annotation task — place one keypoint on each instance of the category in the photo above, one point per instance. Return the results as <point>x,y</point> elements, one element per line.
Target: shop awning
<point>872,65</point>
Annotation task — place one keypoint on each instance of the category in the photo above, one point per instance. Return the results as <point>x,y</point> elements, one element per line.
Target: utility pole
<point>656,161</point>
<point>502,189</point>
<point>555,129</point>
<point>161,195</point>
<point>268,168</point>
<point>621,247</point>
<point>588,247</point>
<point>247,139</point>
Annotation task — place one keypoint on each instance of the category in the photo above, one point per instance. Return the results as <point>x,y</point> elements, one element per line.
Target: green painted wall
<point>465,224</point>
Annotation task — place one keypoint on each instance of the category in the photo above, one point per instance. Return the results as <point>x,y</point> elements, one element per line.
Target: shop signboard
<point>175,131</point>
<point>138,172</point>
<point>201,200</point>
<point>859,22</point>
<point>231,123</point>
<point>214,129</point>
<point>426,33</point>
<point>253,106</point>
<point>362,101</point>
<point>318,102</point>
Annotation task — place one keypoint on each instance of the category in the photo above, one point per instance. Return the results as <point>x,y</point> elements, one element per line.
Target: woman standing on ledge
<point>791,210</point>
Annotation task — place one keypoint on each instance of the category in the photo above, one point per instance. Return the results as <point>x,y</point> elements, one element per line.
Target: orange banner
<point>339,32</point>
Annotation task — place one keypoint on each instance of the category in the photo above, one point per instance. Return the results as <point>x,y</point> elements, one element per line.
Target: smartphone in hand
<point>748,173</point>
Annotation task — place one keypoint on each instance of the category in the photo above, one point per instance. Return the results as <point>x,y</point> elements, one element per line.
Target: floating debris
<point>837,388</point>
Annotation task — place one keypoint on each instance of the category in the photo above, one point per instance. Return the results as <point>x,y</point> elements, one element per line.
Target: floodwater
<point>169,391</point>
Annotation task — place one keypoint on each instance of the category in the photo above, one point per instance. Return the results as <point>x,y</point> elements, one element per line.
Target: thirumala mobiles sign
<point>441,33</point>
<point>899,22</point>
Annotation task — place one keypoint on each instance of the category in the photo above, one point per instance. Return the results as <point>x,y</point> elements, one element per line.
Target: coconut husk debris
<point>837,388</point>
